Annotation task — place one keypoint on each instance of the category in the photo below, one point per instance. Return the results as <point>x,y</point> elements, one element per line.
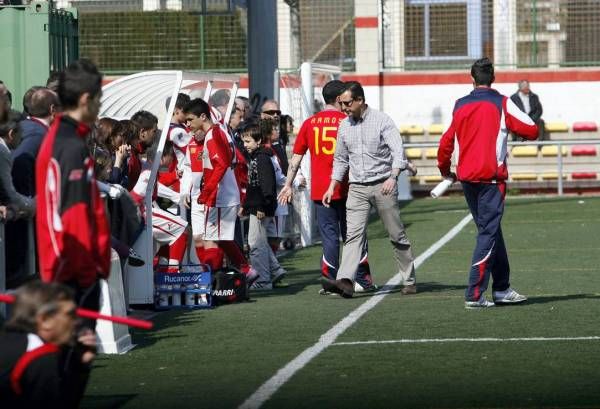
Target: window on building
<point>414,35</point>
<point>442,29</point>
<point>448,30</point>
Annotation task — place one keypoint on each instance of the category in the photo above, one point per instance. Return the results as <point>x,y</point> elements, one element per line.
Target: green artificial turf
<point>217,358</point>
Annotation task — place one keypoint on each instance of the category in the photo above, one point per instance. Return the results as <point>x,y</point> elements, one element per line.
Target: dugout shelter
<point>150,91</point>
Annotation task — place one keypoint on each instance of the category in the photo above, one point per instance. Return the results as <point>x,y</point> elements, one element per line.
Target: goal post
<point>299,92</point>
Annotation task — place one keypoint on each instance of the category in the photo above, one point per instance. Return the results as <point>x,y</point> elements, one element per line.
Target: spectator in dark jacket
<point>40,105</point>
<point>529,103</point>
<point>10,137</point>
<point>40,108</point>
<point>260,204</point>
<point>35,346</point>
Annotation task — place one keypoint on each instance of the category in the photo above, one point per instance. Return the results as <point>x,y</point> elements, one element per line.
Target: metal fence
<point>434,34</point>
<point>63,39</point>
<point>320,31</point>
<point>133,35</point>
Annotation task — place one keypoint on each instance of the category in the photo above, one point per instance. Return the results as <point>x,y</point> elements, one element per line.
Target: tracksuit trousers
<point>486,202</point>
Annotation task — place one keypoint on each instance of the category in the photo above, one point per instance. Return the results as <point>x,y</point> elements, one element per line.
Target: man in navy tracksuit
<point>480,123</point>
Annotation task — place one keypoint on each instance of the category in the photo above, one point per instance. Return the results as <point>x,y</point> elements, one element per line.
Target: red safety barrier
<point>85,313</point>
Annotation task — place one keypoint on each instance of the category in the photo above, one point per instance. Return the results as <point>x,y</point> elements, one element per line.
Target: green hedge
<point>137,41</point>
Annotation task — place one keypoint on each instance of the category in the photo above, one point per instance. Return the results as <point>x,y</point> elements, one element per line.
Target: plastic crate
<point>191,288</point>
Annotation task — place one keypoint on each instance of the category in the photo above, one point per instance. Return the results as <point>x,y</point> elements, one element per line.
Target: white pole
<point>559,165</point>
<point>207,91</point>
<point>276,79</point>
<point>232,95</point>
<point>308,96</point>
<point>306,209</point>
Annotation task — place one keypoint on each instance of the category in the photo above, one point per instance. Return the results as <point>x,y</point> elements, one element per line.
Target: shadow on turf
<point>429,287</point>
<point>106,401</point>
<point>172,323</point>
<point>298,280</point>
<point>167,325</point>
<point>555,298</point>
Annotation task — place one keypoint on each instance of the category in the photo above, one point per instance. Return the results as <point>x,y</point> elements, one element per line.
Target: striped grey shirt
<point>371,147</point>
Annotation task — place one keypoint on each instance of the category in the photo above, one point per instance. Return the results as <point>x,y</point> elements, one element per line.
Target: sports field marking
<point>267,389</point>
<point>448,340</point>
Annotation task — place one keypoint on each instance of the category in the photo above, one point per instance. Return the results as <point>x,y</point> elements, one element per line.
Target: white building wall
<point>284,35</point>
<point>427,104</point>
<point>432,104</point>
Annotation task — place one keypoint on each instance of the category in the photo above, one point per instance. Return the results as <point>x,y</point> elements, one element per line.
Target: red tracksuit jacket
<point>480,123</point>
<point>72,229</point>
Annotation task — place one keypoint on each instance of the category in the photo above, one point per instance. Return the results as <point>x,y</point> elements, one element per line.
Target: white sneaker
<point>508,296</point>
<point>481,303</point>
<point>368,289</point>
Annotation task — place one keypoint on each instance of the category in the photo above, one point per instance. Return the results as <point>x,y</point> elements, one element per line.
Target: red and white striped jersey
<point>219,188</point>
<point>181,137</point>
<point>191,179</point>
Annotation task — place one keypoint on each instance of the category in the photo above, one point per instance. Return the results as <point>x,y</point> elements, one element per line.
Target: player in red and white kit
<point>180,136</point>
<point>219,193</point>
<point>191,180</point>
<point>179,133</point>
<point>318,136</point>
<point>167,228</point>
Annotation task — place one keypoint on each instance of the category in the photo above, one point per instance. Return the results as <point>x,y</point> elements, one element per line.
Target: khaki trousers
<point>358,206</point>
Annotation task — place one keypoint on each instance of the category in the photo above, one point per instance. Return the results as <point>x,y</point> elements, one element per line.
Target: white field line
<point>267,389</point>
<point>448,340</point>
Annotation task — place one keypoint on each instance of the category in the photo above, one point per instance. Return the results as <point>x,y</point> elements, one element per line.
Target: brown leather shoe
<point>409,290</point>
<point>346,287</point>
<point>330,286</point>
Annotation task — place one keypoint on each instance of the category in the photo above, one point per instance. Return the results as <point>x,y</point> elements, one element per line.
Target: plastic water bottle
<point>190,298</point>
<point>441,188</point>
<point>175,296</point>
<point>163,297</point>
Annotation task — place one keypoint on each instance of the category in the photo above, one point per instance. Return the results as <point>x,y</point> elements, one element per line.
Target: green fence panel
<point>35,40</point>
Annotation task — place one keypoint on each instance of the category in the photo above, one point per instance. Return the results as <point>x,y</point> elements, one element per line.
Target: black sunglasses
<point>348,103</point>
<point>273,112</point>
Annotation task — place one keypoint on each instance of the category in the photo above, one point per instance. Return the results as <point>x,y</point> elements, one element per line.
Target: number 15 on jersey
<point>324,144</point>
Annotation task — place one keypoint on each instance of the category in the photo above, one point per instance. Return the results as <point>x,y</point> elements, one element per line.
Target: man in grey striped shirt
<point>370,147</point>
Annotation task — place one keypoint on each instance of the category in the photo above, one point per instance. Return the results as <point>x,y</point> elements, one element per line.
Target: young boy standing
<point>219,193</point>
<point>260,204</point>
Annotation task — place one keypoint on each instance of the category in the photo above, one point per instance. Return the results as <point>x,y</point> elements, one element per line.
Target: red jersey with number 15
<point>318,135</point>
